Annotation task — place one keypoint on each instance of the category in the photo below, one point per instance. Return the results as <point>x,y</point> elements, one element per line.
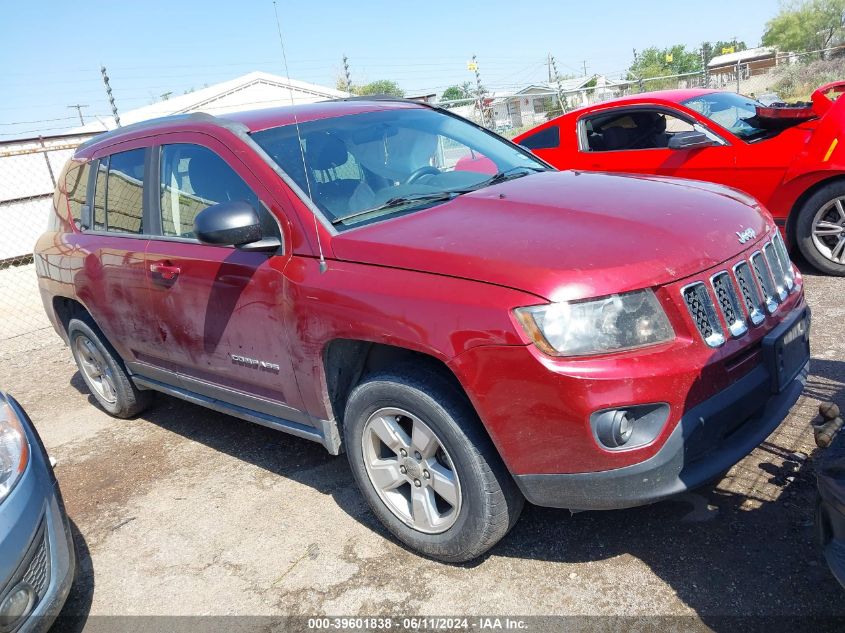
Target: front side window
<point>362,167</point>
<point>632,130</point>
<point>193,178</point>
<point>734,112</point>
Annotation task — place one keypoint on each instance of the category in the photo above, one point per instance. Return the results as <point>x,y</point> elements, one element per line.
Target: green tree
<point>453,93</point>
<point>658,62</point>
<point>379,87</point>
<point>805,25</point>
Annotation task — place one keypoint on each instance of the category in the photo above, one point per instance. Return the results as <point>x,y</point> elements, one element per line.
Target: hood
<point>566,235</point>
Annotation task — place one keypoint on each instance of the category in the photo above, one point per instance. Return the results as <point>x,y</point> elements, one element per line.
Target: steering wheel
<point>419,173</point>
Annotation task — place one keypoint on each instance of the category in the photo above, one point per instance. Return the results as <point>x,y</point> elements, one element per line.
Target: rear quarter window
<point>75,192</point>
<point>544,139</point>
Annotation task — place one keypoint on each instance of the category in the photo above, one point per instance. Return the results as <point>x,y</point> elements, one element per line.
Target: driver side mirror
<point>233,224</point>
<point>690,140</point>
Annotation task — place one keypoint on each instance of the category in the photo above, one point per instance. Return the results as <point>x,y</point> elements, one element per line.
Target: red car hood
<point>566,235</point>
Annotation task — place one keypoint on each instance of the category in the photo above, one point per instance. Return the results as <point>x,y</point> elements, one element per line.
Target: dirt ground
<point>184,511</point>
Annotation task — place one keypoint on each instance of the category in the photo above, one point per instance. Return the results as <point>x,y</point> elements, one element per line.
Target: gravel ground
<point>184,511</point>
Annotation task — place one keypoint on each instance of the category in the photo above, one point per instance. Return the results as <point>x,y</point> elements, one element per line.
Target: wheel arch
<point>346,361</point>
<point>802,198</point>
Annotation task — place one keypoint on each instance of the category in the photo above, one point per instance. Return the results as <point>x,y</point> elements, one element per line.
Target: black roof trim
<point>165,121</point>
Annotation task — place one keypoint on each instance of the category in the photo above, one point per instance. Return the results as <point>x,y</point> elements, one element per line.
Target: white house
<point>532,104</point>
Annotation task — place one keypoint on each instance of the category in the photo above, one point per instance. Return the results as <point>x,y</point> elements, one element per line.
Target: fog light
<point>633,426</point>
<point>614,428</point>
<point>16,606</point>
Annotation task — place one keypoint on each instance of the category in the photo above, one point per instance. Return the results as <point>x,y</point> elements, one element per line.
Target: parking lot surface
<point>184,511</point>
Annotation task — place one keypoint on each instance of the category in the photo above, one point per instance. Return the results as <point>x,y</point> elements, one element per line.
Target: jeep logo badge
<point>746,235</point>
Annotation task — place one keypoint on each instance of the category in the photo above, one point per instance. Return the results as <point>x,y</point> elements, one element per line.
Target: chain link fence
<point>28,173</point>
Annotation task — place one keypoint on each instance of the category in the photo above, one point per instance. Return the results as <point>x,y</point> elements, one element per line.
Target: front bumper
<point>705,443</point>
<point>35,540</point>
<point>830,512</point>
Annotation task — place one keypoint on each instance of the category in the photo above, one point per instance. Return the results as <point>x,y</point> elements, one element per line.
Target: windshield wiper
<point>399,201</point>
<point>508,174</point>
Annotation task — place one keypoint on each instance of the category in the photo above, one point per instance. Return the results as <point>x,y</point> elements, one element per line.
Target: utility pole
<point>346,74</point>
<point>79,107</point>
<point>110,95</point>
<point>549,64</point>
<point>479,89</point>
<point>585,67</point>
<point>560,98</point>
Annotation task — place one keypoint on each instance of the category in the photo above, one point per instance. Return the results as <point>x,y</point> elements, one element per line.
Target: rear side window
<point>544,139</point>
<point>124,192</point>
<point>100,195</point>
<point>118,194</point>
<point>193,178</point>
<point>76,185</point>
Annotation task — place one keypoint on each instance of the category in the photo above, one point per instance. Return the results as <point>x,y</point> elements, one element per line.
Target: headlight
<point>14,449</point>
<point>597,326</point>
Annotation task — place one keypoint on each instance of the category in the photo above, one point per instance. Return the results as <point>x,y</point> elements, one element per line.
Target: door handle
<point>165,271</point>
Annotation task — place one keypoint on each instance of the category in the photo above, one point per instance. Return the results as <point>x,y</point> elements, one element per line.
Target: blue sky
<point>51,51</point>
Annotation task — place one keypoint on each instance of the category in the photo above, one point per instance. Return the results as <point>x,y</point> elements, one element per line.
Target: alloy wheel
<point>829,230</point>
<point>411,470</point>
<point>96,369</point>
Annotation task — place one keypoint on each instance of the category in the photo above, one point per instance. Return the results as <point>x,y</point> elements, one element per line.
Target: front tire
<point>103,371</point>
<point>426,466</point>
<point>820,229</point>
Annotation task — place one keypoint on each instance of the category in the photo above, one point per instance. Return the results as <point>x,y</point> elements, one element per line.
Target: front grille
<point>777,271</point>
<point>765,279</point>
<point>750,293</point>
<point>703,312</point>
<point>37,574</point>
<point>729,303</point>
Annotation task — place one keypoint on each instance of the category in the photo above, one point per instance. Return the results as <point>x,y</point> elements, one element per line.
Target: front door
<point>218,309</point>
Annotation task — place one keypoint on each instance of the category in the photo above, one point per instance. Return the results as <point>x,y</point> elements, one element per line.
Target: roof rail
<point>384,97</point>
<point>190,117</point>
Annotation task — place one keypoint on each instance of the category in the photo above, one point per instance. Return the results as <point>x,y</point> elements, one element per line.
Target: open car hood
<point>566,235</point>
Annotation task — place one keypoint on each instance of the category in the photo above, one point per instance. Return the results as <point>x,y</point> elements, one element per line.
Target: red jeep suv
<point>352,273</point>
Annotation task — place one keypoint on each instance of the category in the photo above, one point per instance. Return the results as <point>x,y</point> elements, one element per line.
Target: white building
<point>252,91</point>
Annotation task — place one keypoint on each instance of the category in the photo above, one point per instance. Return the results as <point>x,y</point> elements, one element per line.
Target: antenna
<point>323,265</point>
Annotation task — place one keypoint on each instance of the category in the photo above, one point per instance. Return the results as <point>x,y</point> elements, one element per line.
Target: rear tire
<point>447,451</point>
<point>103,371</point>
<point>823,245</point>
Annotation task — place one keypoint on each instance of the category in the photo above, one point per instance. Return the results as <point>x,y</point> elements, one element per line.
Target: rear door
<point>113,238</point>
<point>218,309</point>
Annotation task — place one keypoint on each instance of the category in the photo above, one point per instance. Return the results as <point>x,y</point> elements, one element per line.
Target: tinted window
<point>193,178</point>
<point>76,185</point>
<point>124,192</point>
<point>544,139</point>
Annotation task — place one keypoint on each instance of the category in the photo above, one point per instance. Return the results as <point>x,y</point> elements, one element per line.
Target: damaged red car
<point>788,156</point>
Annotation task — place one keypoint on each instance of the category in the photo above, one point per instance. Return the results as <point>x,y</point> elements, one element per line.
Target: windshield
<point>732,111</point>
<point>363,167</point>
